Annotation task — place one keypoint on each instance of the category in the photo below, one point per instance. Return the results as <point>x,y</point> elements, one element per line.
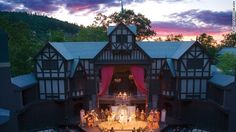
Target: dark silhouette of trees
<point>143,24</point>
<point>172,37</point>
<point>229,40</point>
<point>208,42</point>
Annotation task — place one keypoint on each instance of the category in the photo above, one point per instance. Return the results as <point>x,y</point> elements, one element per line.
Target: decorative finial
<point>122,8</point>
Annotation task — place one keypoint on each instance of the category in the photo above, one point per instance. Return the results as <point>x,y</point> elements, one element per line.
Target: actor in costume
<point>103,116</point>
<point>142,115</point>
<point>150,120</point>
<point>137,113</point>
<point>82,119</point>
<point>156,119</point>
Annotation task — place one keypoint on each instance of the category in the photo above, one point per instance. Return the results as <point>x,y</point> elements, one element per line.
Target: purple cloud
<point>188,28</point>
<point>53,5</point>
<point>92,5</point>
<point>31,5</point>
<point>206,16</point>
<point>41,5</point>
<point>72,5</point>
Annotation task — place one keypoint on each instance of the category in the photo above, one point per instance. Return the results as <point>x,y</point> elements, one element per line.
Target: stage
<point>97,129</point>
<point>117,126</point>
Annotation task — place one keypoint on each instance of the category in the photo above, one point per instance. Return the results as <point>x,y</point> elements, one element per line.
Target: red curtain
<point>138,76</point>
<point>107,73</point>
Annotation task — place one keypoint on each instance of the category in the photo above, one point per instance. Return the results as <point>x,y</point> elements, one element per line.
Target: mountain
<point>28,33</point>
<point>41,25</point>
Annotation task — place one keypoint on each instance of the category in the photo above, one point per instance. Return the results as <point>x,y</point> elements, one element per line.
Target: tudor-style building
<point>173,71</point>
<point>70,76</point>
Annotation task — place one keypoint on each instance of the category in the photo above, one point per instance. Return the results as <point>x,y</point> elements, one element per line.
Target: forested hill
<point>28,33</point>
<point>41,25</point>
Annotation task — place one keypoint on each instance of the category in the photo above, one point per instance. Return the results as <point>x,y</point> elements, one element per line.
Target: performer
<point>150,120</point>
<point>137,113</point>
<point>119,95</point>
<point>106,113</point>
<point>89,119</point>
<point>82,119</point>
<point>123,118</point>
<point>95,117</point>
<point>103,116</point>
<point>156,119</point>
<point>142,115</point>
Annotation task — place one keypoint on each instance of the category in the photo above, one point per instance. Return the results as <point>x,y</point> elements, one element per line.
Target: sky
<point>187,17</point>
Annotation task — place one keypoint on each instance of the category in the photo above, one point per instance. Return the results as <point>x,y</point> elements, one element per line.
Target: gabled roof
<point>24,81</point>
<point>231,50</point>
<point>88,50</point>
<point>132,28</point>
<point>221,79</point>
<point>4,116</point>
<point>172,50</point>
<point>71,50</point>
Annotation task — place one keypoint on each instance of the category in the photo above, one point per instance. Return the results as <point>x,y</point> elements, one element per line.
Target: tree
<point>227,63</point>
<point>56,36</point>
<point>91,33</point>
<point>158,39</point>
<point>229,40</point>
<point>208,43</point>
<point>127,17</point>
<point>172,37</point>
<point>23,45</point>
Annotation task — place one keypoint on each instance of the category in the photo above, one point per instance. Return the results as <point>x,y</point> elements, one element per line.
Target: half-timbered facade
<point>176,70</point>
<point>51,70</point>
<point>69,76</point>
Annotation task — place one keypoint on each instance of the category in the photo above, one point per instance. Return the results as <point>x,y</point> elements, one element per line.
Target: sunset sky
<point>187,17</point>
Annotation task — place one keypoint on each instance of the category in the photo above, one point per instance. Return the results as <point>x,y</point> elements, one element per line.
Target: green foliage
<point>28,33</point>
<point>229,40</point>
<point>208,43</point>
<point>22,46</point>
<point>56,36</point>
<point>172,37</point>
<point>227,63</point>
<point>127,17</point>
<point>91,33</point>
<point>40,24</point>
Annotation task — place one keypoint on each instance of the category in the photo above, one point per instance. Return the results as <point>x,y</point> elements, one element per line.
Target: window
<point>113,38</point>
<point>195,63</point>
<point>122,39</point>
<point>193,89</point>
<point>52,89</point>
<point>50,64</point>
<point>129,38</point>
